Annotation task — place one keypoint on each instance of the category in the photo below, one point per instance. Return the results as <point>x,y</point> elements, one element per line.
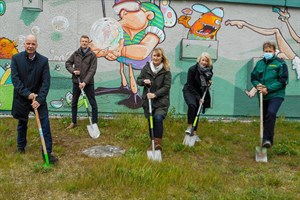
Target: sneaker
<point>72,125</point>
<point>266,144</point>
<point>188,132</point>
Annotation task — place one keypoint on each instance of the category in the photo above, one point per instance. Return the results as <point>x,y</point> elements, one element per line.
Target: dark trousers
<point>22,133</point>
<point>192,112</point>
<point>90,93</point>
<point>270,109</point>
<point>157,126</point>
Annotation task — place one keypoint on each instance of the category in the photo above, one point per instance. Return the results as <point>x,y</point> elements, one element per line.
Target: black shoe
<point>21,151</point>
<point>52,159</point>
<point>266,144</point>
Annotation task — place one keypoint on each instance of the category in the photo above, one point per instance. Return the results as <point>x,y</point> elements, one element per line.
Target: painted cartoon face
<point>7,48</point>
<point>207,26</point>
<point>30,44</point>
<point>156,58</point>
<point>204,61</point>
<point>135,20</point>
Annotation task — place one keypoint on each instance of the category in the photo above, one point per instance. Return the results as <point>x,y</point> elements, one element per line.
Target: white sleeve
<point>160,33</point>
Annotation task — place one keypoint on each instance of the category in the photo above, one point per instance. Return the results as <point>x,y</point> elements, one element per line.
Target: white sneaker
<point>188,131</point>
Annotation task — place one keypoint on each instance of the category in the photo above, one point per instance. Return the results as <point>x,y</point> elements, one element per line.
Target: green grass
<point>221,166</point>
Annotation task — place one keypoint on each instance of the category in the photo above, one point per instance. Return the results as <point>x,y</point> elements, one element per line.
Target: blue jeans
<point>157,126</point>
<point>270,109</point>
<point>22,133</point>
<point>90,94</point>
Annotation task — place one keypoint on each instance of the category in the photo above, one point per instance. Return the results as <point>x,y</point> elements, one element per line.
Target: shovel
<point>190,139</point>
<point>152,154</point>
<point>37,117</point>
<point>261,152</point>
<point>93,129</point>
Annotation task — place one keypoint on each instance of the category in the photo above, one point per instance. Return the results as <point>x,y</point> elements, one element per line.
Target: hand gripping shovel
<point>261,152</point>
<point>190,139</point>
<point>152,154</point>
<point>93,129</point>
<point>37,117</point>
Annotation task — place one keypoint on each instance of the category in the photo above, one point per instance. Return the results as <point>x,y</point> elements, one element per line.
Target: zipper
<point>264,75</point>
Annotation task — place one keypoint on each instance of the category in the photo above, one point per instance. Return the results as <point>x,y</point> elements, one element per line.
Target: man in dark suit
<point>31,79</point>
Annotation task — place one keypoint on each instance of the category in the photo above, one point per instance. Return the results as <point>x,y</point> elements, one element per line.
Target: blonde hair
<point>207,56</point>
<point>165,60</point>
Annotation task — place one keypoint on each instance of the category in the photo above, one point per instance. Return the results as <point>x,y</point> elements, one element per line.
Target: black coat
<point>29,76</point>
<point>161,85</point>
<point>197,83</point>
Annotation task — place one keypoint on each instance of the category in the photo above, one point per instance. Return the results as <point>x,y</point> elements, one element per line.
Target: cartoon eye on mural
<point>285,50</point>
<point>2,7</point>
<point>7,48</point>
<point>207,26</point>
<point>142,25</point>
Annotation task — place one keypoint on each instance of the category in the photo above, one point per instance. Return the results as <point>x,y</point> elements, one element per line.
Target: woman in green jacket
<point>156,75</point>
<point>270,77</point>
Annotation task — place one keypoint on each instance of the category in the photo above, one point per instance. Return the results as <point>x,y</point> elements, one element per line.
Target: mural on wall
<point>285,50</point>
<point>124,42</point>
<point>2,7</point>
<point>8,48</point>
<point>168,12</point>
<point>143,30</point>
<point>6,87</point>
<point>207,26</point>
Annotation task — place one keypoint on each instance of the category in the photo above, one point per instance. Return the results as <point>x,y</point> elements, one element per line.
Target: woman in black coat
<point>156,75</point>
<point>198,80</point>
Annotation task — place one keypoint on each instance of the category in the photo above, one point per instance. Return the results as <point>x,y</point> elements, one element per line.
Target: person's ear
<point>150,15</point>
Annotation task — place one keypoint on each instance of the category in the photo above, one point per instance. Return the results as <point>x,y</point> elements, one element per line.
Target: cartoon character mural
<point>207,26</point>
<point>168,12</point>
<point>143,30</point>
<point>6,87</point>
<point>285,50</point>
<point>8,48</point>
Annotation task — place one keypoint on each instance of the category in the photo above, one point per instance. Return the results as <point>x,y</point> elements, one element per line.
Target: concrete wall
<point>235,47</point>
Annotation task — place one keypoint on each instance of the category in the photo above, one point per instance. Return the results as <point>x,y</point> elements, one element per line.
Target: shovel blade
<point>94,131</point>
<point>156,156</point>
<point>261,154</point>
<point>190,140</point>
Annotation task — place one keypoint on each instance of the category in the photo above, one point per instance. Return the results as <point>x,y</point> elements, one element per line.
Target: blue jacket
<point>29,76</point>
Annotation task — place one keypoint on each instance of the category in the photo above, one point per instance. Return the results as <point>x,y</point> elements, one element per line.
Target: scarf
<point>84,51</point>
<point>156,69</point>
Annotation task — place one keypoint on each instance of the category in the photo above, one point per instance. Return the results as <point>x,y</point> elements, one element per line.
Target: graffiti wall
<point>124,33</point>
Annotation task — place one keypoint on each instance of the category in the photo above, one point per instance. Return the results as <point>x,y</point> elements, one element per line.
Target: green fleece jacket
<point>273,74</point>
